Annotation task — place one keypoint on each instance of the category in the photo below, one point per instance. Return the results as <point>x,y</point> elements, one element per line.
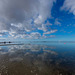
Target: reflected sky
<point>38,59</point>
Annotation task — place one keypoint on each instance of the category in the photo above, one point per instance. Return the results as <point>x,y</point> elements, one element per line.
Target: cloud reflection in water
<point>35,60</point>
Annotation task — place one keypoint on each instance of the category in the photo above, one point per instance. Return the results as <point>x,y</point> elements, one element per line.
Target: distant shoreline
<point>9,44</point>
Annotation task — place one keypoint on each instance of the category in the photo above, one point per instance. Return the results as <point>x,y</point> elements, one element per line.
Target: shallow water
<point>38,59</point>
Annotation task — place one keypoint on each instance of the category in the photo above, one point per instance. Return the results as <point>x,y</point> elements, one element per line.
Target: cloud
<point>20,16</point>
<point>32,35</point>
<point>50,32</point>
<point>44,27</point>
<point>45,11</point>
<point>69,5</point>
<point>2,33</point>
<point>57,22</point>
<point>35,35</point>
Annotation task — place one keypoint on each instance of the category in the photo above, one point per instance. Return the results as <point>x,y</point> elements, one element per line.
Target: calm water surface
<point>38,59</point>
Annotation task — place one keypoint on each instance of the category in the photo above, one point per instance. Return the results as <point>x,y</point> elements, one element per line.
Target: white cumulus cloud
<point>20,16</point>
<point>69,5</point>
<point>50,32</point>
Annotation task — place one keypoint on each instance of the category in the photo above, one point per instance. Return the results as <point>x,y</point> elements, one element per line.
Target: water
<point>37,59</point>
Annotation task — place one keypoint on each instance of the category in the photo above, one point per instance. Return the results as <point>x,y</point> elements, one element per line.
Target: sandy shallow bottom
<point>37,60</point>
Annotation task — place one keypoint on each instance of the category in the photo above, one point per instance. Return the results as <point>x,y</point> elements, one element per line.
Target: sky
<point>37,19</point>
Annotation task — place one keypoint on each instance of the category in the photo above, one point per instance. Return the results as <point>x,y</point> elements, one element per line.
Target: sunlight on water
<point>38,59</point>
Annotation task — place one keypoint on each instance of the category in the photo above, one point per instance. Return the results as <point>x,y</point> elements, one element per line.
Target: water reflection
<point>37,60</point>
